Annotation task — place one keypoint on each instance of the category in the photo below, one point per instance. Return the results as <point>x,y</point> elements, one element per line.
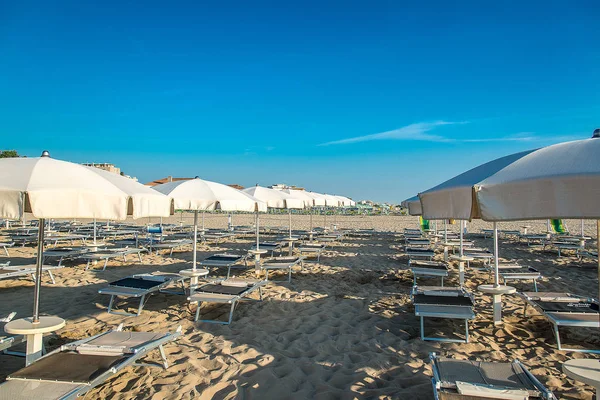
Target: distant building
<point>165,180</point>
<point>106,167</point>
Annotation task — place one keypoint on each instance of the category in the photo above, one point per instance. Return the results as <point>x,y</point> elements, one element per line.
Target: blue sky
<point>374,100</point>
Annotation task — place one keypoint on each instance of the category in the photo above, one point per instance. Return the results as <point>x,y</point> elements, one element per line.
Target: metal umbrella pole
<point>94,230</point>
<point>461,238</point>
<point>290,218</point>
<point>38,272</point>
<point>195,247</point>
<point>496,274</point>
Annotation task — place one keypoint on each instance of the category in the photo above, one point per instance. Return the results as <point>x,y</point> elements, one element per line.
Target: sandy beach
<point>342,329</point>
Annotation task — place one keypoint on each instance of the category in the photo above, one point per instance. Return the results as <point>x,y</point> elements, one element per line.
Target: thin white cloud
<point>418,131</point>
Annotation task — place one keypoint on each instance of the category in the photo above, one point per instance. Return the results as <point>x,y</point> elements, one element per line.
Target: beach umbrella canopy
<point>454,198</point>
<point>50,188</point>
<point>413,205</point>
<point>301,195</point>
<point>345,201</point>
<point>558,181</point>
<point>331,201</point>
<point>200,195</point>
<point>319,199</point>
<point>274,198</point>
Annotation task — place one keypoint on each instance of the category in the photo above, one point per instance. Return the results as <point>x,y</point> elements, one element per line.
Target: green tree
<point>8,154</point>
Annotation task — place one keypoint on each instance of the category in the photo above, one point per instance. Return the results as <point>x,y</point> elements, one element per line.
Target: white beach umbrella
<point>276,199</point>
<point>558,181</point>
<point>319,199</point>
<point>301,195</point>
<point>331,201</point>
<point>454,198</point>
<point>201,195</point>
<point>51,188</point>
<point>413,205</point>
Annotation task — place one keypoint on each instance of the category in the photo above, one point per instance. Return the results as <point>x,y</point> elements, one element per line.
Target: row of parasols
<point>558,181</point>
<point>54,189</point>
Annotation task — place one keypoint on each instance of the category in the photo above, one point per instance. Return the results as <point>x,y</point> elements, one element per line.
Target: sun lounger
<point>65,253</point>
<point>139,286</point>
<point>75,368</point>
<point>270,247</point>
<point>565,309</point>
<point>443,302</point>
<point>6,246</point>
<point>225,260</point>
<point>478,253</point>
<point>216,237</point>
<point>472,380</point>
<point>17,271</point>
<point>56,239</point>
<point>306,249</point>
<point>281,263</point>
<point>516,272</point>
<point>562,245</point>
<point>109,254</point>
<point>225,291</point>
<point>418,252</point>
<point>417,242</point>
<point>6,340</point>
<point>534,238</point>
<point>170,245</point>
<point>428,268</point>
<point>24,239</point>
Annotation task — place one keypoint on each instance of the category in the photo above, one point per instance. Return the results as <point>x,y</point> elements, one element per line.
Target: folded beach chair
<point>65,253</point>
<point>225,260</point>
<point>140,286</point>
<point>6,246</point>
<point>109,254</point>
<point>567,310</point>
<point>225,291</point>
<point>443,302</point>
<point>281,263</point>
<point>73,369</point>
<point>419,252</point>
<point>424,224</point>
<point>558,227</point>
<point>429,269</point>
<point>7,340</point>
<point>476,380</point>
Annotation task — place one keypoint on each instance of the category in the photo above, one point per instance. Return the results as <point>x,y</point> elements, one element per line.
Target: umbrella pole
<point>461,238</point>
<point>598,236</point>
<point>445,231</point>
<point>496,276</point>
<point>195,247</point>
<point>38,273</point>
<point>202,221</point>
<point>582,230</point>
<point>94,230</point>
<point>257,228</point>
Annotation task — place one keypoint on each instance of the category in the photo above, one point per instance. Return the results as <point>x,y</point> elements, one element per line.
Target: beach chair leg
<point>290,275</point>
<point>6,252</point>
<point>228,271</point>
<point>110,303</point>
<point>140,256</point>
<point>422,329</point>
<point>231,312</point>
<point>197,316</point>
<point>105,264</point>
<point>141,306</point>
<point>260,296</point>
<point>442,283</point>
<point>87,265</point>
<point>266,274</point>
<point>535,285</point>
<point>466,331</point>
<point>51,277</point>
<point>163,356</point>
